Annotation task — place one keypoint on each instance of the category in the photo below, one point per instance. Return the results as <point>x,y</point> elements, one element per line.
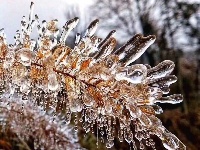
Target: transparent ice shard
<point>105,49</point>
<point>171,142</point>
<point>168,80</point>
<point>69,25</point>
<point>163,83</point>
<point>106,39</point>
<point>77,39</point>
<point>172,99</point>
<point>144,120</point>
<point>162,69</point>
<point>134,48</point>
<point>92,28</point>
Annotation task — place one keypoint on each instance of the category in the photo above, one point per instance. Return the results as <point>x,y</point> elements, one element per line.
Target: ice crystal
<point>92,79</point>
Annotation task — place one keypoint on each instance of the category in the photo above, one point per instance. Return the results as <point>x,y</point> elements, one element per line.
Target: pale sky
<point>11,12</point>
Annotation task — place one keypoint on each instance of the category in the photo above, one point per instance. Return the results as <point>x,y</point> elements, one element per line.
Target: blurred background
<point>176,24</point>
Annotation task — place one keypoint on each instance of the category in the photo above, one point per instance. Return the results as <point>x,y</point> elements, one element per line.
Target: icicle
<point>142,145</point>
<point>172,99</point>
<point>68,116</point>
<point>134,145</point>
<point>163,81</point>
<point>31,12</point>
<point>2,37</point>
<point>170,141</point>
<point>69,25</point>
<point>92,28</point>
<point>37,22</point>
<point>106,39</point>
<point>134,48</point>
<point>28,26</point>
<point>120,135</point>
<point>75,122</point>
<point>162,69</point>
<point>128,135</point>
<point>1,32</point>
<point>106,49</point>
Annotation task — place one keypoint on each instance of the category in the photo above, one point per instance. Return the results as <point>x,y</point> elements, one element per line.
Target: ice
<point>77,39</point>
<point>134,74</point>
<point>92,79</point>
<point>69,25</point>
<point>92,28</point>
<point>172,99</point>
<point>145,120</point>
<point>25,56</point>
<point>53,84</point>
<point>134,48</point>
<point>162,69</point>
<point>171,142</point>
<point>9,59</point>
<point>106,39</point>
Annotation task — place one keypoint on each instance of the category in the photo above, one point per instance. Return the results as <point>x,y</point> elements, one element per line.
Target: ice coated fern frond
<point>92,79</point>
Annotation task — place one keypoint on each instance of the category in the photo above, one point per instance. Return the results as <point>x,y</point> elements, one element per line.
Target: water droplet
<point>128,136</point>
<point>25,86</point>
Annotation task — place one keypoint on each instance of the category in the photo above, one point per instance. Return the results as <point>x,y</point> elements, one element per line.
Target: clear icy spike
<point>93,80</point>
